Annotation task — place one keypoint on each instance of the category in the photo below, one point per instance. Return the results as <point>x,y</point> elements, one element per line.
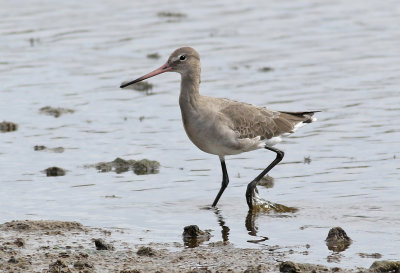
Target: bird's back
<point>250,121</point>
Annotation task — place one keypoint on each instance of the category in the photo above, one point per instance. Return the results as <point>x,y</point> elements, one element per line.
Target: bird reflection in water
<point>224,228</point>
<point>265,207</point>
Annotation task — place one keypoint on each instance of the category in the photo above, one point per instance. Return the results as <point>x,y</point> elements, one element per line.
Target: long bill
<point>164,68</point>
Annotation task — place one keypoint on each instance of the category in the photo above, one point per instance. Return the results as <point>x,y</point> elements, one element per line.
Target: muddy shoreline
<point>57,246</point>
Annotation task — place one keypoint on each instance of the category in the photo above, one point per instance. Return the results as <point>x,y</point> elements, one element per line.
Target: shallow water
<point>336,56</point>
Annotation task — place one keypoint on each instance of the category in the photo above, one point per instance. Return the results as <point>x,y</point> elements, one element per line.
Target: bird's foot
<point>252,197</point>
<point>258,204</point>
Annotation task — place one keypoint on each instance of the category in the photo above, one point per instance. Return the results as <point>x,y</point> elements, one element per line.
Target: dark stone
<point>385,267</point>
<point>191,231</point>
<point>337,240</point>
<point>288,267</point>
<point>19,242</point>
<point>101,245</point>
<point>12,260</point>
<point>193,236</point>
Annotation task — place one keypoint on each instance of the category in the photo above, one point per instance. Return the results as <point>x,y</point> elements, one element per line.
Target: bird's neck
<point>189,95</point>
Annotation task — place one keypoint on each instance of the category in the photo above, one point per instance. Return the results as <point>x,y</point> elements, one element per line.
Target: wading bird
<point>226,127</point>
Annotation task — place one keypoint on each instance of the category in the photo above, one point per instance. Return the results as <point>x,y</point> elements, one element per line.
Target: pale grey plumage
<point>222,126</point>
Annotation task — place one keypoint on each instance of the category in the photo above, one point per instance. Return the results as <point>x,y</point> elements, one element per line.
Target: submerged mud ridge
<point>55,111</point>
<point>44,148</point>
<point>7,126</point>
<point>119,165</point>
<point>54,171</point>
<point>57,246</point>
<point>142,86</point>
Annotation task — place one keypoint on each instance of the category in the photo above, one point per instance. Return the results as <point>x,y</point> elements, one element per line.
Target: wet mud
<point>57,246</point>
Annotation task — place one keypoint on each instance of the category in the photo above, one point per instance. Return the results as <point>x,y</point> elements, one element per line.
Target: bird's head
<point>184,60</point>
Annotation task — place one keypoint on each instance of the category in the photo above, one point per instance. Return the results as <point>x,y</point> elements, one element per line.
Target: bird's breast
<point>209,134</point>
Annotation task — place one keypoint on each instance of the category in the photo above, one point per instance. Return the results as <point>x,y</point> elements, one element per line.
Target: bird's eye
<point>182,57</point>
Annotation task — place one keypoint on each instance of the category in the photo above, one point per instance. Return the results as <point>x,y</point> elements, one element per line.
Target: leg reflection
<point>224,229</point>
<point>252,228</point>
<point>251,223</point>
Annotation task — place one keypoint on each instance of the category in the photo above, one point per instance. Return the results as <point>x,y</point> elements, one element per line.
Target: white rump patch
<point>297,126</point>
<point>301,124</point>
<point>270,142</point>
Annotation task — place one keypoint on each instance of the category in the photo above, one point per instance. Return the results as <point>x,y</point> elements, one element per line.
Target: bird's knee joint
<point>225,182</point>
<point>280,154</point>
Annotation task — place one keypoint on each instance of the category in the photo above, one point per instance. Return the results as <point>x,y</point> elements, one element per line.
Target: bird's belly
<point>209,138</point>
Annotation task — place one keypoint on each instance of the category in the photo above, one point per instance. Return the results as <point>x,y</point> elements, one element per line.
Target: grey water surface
<point>341,57</point>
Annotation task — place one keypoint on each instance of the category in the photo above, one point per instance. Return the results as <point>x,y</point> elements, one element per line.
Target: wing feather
<point>249,121</point>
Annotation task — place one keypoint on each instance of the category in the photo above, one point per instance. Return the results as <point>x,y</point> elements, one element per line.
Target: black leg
<point>225,181</point>
<point>251,187</point>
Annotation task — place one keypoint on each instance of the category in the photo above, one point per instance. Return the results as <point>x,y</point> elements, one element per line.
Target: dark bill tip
<point>159,70</point>
<point>123,85</point>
